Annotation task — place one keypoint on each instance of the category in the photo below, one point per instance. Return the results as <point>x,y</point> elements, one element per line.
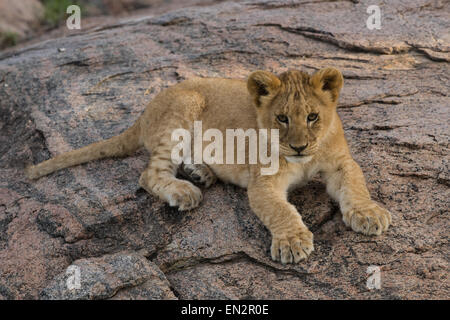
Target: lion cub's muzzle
<point>298,149</point>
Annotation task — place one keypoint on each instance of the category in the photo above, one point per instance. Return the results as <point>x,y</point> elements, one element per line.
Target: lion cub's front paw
<point>370,219</point>
<point>184,195</point>
<point>293,246</point>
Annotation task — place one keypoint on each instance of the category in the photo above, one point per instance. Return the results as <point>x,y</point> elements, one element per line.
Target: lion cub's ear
<point>328,80</point>
<point>262,85</point>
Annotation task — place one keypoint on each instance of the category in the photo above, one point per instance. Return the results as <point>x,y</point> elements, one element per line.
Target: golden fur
<point>301,106</point>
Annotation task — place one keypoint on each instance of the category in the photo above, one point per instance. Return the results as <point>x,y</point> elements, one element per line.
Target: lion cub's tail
<point>123,144</point>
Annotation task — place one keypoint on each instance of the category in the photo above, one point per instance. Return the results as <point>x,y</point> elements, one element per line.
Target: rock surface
<point>119,276</point>
<point>395,110</point>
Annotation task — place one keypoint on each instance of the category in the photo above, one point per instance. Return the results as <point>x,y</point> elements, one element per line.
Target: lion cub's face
<point>300,106</point>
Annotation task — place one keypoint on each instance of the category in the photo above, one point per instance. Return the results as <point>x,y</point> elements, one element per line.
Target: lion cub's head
<point>301,106</point>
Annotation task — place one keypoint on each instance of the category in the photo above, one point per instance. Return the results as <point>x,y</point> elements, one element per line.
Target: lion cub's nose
<point>298,149</point>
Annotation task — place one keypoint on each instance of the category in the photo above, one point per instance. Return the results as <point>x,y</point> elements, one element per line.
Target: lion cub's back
<point>228,104</point>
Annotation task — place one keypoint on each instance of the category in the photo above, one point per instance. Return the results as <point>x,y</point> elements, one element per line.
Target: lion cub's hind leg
<point>182,108</point>
<point>159,179</point>
<point>199,173</point>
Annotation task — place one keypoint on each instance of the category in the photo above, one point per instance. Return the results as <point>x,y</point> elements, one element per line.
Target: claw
<point>292,248</point>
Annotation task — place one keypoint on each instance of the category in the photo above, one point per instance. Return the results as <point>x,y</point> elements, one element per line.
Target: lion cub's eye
<point>312,117</point>
<point>282,118</point>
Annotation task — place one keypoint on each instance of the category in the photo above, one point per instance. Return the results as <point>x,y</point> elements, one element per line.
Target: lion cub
<point>311,140</point>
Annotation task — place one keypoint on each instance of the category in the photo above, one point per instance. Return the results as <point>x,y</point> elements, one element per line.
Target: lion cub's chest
<point>298,175</point>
